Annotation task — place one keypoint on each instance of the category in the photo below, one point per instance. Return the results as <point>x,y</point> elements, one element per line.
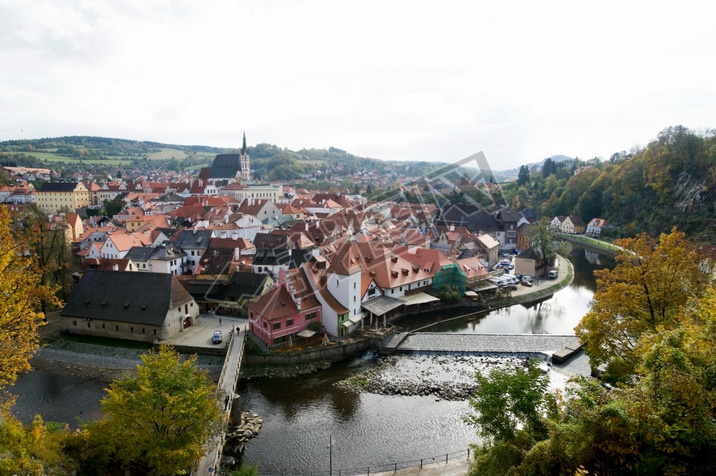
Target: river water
<point>302,414</point>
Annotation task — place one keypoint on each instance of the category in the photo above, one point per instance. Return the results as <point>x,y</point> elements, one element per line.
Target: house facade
<point>53,197</point>
<point>147,307</point>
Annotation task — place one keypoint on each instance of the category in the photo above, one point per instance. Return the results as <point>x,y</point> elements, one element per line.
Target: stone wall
<point>330,353</point>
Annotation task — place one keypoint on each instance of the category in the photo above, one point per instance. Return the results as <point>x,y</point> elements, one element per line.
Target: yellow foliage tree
<point>21,296</point>
<point>644,292</point>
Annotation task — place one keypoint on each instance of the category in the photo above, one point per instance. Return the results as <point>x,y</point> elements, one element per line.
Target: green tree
<point>523,177</point>
<point>510,408</point>
<point>162,419</point>
<point>642,294</point>
<point>549,167</point>
<point>450,293</point>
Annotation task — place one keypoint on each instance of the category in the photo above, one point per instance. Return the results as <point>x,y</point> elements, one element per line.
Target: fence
<point>376,469</point>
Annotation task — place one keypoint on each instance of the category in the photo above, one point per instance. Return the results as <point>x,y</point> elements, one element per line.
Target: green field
<point>162,154</point>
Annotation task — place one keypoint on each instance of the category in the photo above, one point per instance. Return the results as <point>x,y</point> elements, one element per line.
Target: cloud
<point>395,80</point>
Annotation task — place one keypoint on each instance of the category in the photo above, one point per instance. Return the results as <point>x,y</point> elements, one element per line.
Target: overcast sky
<point>413,80</point>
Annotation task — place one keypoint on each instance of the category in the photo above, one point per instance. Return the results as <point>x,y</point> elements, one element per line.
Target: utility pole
<point>330,455</point>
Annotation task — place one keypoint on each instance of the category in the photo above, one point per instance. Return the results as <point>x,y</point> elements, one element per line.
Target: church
<point>229,168</point>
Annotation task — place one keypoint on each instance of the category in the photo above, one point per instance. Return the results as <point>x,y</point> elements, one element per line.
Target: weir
<point>549,346</point>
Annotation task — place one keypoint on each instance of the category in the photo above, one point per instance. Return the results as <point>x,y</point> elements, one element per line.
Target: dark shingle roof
<point>57,187</point>
<point>225,166</point>
<point>246,285</point>
<point>194,239</point>
<point>131,297</point>
<point>139,253</point>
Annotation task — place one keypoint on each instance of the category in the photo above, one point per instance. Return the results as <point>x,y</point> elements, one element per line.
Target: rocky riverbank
<point>249,427</point>
<point>445,377</point>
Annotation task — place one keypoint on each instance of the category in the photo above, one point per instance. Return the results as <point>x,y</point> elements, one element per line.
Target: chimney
<point>237,254</point>
<point>452,227</point>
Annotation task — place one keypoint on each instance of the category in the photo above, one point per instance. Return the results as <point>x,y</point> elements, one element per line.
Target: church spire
<point>243,148</point>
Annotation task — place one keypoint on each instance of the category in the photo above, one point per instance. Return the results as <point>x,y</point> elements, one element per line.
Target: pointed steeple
<point>243,148</point>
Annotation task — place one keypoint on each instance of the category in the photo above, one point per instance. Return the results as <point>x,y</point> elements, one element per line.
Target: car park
<point>216,338</point>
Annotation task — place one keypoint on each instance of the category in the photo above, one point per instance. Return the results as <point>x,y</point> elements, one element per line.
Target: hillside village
<point>291,260</point>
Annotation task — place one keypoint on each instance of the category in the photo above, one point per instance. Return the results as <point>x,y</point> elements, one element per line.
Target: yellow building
<point>55,196</point>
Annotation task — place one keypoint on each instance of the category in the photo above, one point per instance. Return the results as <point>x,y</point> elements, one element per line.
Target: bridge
<point>558,348</point>
<point>209,464</point>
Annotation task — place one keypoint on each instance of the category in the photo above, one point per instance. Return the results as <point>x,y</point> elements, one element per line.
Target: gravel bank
<point>102,363</point>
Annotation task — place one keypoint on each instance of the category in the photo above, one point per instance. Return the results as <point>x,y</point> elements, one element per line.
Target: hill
<point>670,182</point>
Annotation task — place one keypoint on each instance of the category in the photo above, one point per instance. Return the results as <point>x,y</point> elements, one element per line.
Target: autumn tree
<point>644,292</point>
<point>161,420</point>
<point>22,294</point>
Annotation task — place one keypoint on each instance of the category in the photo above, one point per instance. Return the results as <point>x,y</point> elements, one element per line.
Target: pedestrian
<point>219,321</point>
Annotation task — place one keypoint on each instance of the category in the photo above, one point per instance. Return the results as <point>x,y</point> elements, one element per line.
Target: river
<point>302,414</point>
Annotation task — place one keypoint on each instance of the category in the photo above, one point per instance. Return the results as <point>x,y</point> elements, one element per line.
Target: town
<point>295,262</point>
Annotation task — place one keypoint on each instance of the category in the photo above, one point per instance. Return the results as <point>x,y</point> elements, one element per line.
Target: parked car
<point>511,287</point>
<point>527,278</point>
<point>525,282</point>
<point>216,338</point>
<point>552,274</point>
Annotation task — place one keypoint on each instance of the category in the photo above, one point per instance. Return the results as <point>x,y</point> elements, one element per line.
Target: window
<point>143,331</point>
<point>131,329</point>
<point>116,328</point>
<point>276,325</point>
<point>289,322</point>
<point>102,326</point>
<point>155,332</point>
<point>338,283</point>
<point>265,326</point>
<point>74,323</point>
<point>354,285</point>
<point>88,325</point>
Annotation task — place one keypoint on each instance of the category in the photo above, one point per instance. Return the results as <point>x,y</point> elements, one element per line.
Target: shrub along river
<point>302,414</point>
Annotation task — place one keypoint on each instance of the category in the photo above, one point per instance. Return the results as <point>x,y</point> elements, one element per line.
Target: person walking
<point>219,321</point>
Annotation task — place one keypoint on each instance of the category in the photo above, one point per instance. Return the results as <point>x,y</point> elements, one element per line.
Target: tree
<point>510,413</point>
<point>523,177</point>
<point>161,419</point>
<point>549,167</point>
<point>544,239</point>
<point>22,294</point>
<point>642,294</point>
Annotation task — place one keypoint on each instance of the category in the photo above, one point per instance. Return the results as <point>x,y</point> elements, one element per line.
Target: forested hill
<point>268,162</point>
<point>670,182</point>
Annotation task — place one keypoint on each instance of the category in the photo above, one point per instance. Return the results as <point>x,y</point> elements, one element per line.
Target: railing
<point>376,469</point>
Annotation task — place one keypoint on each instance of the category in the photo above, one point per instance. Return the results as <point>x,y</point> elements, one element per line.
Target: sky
<point>394,80</point>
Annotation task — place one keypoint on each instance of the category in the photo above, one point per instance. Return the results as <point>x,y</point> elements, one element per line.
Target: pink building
<point>285,310</point>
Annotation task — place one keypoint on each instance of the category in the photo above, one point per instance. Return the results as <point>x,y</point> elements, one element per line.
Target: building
<point>279,315</point>
<point>53,197</point>
<point>573,225</point>
<point>229,168</point>
<point>596,225</point>
<point>145,307</point>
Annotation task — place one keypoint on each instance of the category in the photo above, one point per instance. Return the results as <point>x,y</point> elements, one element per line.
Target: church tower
<point>244,162</point>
